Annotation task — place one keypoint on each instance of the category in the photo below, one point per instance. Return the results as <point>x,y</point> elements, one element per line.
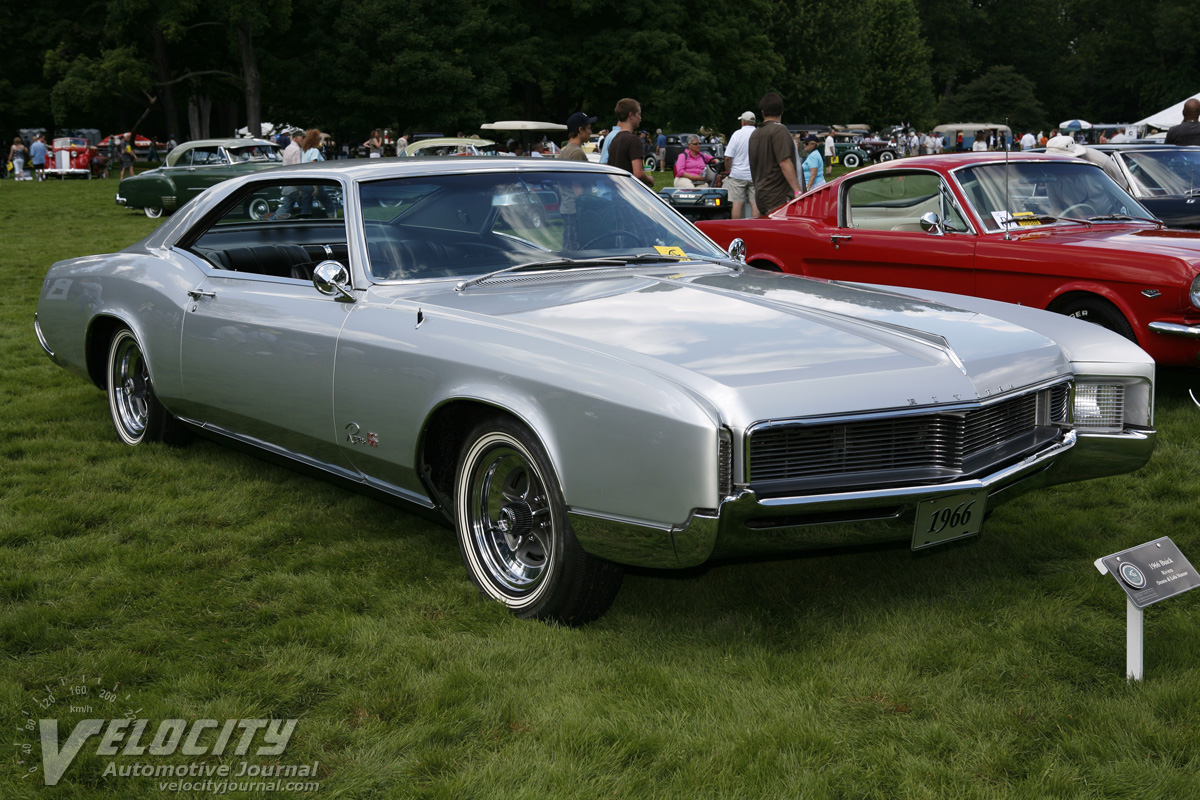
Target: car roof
<point>180,149</point>
<point>1141,146</point>
<point>371,169</point>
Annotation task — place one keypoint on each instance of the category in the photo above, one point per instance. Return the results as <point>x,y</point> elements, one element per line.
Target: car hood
<point>1183,244</point>
<point>762,345</point>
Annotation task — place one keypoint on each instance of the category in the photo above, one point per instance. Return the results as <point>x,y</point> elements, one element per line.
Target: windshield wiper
<point>572,263</point>
<point>1015,221</point>
<point>1129,217</point>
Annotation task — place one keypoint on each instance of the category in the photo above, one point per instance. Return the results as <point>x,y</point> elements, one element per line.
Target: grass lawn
<point>203,583</point>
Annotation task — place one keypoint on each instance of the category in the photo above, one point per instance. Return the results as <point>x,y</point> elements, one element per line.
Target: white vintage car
<point>545,356</point>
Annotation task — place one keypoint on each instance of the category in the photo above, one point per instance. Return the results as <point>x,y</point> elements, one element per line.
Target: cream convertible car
<point>547,356</point>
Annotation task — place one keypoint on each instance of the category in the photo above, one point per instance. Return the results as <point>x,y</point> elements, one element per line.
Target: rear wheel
<point>516,541</point>
<point>1099,311</point>
<point>886,155</point>
<point>153,213</point>
<point>136,412</point>
<point>852,160</point>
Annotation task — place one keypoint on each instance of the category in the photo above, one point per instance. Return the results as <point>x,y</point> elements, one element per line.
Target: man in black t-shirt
<point>1188,131</point>
<point>626,150</point>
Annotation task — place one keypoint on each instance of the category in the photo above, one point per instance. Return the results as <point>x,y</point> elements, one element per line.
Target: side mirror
<point>737,250</point>
<point>332,279</point>
<point>932,224</point>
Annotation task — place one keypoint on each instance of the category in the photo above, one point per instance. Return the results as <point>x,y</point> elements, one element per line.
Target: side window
<point>893,202</point>
<point>281,229</point>
<point>205,156</point>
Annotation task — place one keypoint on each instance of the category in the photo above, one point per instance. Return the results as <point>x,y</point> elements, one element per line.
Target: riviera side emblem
<point>353,436</point>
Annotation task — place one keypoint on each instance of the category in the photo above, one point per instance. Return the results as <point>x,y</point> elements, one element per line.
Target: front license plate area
<point>944,519</point>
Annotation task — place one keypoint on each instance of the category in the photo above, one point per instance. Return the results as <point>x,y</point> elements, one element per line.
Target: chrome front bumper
<point>746,524</point>
<point>120,200</point>
<point>1176,329</point>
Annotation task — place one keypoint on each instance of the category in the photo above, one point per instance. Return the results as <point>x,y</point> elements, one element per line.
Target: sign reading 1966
<point>948,517</point>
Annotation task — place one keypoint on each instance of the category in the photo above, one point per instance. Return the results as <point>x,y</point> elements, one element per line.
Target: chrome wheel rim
<point>508,517</point>
<point>259,208</point>
<point>129,388</point>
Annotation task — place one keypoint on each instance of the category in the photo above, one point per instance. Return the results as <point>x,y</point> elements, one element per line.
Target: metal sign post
<point>1135,625</point>
<point>1147,573</point>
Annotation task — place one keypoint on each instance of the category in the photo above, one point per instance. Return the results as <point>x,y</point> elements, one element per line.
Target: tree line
<point>192,68</point>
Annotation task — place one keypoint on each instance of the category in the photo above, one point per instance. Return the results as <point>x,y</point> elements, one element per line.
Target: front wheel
<point>1099,311</point>
<point>259,209</point>
<point>852,161</point>
<point>136,412</point>
<point>650,164</point>
<point>516,541</point>
<point>886,155</point>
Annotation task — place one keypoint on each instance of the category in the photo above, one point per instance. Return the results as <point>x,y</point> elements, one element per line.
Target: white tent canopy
<point>522,125</point>
<point>1168,116</point>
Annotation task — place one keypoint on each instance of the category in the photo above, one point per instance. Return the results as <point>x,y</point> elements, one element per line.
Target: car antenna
<point>1008,217</point>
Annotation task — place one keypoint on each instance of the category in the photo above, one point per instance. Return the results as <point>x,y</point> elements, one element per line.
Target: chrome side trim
<point>1176,329</point>
<point>37,328</point>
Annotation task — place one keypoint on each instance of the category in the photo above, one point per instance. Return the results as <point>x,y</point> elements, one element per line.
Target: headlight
<point>1195,291</point>
<point>1099,407</point>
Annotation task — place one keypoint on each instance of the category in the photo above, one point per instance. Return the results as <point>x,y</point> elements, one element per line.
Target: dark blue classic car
<point>1165,178</point>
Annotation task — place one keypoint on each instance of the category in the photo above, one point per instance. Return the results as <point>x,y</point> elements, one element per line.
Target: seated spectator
<point>691,167</point>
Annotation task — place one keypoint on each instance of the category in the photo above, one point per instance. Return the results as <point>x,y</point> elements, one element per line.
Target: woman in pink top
<point>690,166</point>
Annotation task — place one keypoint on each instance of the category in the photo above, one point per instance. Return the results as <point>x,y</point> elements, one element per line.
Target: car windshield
<point>254,152</point>
<point>1158,173</point>
<point>473,224</point>
<point>1037,193</point>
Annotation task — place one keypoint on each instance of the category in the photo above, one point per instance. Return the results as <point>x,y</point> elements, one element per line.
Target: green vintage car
<point>191,168</point>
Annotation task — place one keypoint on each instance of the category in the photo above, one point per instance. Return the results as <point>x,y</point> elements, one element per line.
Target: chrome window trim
<point>840,200</point>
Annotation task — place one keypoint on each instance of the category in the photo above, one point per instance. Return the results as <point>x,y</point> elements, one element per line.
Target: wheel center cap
<point>515,519</point>
<point>128,386</point>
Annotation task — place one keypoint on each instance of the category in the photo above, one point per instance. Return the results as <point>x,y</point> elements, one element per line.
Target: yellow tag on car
<point>670,251</point>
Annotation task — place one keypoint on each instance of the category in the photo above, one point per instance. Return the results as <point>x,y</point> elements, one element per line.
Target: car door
<point>878,236</point>
<point>259,340</point>
<point>205,166</point>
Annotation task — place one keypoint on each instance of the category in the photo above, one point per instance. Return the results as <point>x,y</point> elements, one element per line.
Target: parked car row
<point>549,359</point>
<point>1045,231</point>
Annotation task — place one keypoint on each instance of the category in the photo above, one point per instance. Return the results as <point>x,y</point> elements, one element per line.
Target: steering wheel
<point>605,235</point>
<point>1067,211</point>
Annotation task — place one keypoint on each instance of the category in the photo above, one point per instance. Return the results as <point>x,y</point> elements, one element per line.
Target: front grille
<point>917,447</point>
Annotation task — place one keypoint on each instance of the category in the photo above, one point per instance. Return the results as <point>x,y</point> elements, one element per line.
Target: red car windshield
<point>1034,193</point>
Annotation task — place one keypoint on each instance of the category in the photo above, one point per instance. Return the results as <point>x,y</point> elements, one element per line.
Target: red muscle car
<point>1044,231</point>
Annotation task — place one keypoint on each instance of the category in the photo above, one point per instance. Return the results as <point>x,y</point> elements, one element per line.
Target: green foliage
<point>450,65</point>
<point>896,76</point>
<point>1001,93</point>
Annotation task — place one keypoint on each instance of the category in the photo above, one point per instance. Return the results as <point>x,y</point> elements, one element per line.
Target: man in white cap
<point>1066,146</point>
<point>737,163</point>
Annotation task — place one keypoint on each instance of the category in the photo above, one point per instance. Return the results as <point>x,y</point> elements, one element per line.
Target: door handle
<point>837,239</point>
<point>196,294</point>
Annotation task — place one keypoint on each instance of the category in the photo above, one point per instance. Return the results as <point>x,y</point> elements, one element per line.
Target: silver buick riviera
<point>548,357</point>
